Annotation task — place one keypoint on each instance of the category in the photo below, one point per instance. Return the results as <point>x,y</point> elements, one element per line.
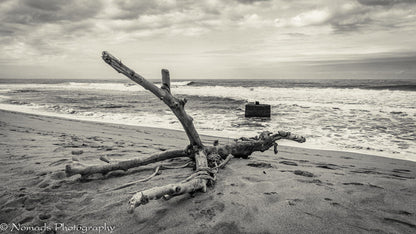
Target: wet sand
<point>296,191</point>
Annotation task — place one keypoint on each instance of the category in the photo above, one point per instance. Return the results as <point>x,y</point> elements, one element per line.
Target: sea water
<point>368,116</point>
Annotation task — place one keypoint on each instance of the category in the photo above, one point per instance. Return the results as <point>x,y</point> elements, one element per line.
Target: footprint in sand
<point>397,221</point>
<point>59,162</point>
<point>293,202</point>
<point>352,183</point>
<point>290,163</point>
<point>42,173</point>
<point>314,181</point>
<point>253,179</point>
<point>328,166</point>
<point>44,184</point>
<point>209,213</point>
<point>304,173</point>
<point>299,160</point>
<point>336,204</point>
<point>400,171</point>
<point>361,184</point>
<point>375,186</point>
<point>58,175</point>
<point>270,193</point>
<point>272,197</point>
<point>224,227</point>
<point>44,216</point>
<point>399,212</point>
<point>31,203</point>
<point>26,220</point>
<point>260,164</point>
<point>77,152</point>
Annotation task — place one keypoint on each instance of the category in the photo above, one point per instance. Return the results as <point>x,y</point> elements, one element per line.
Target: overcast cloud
<point>209,38</point>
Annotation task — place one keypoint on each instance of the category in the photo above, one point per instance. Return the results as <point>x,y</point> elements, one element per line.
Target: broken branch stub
<point>166,80</point>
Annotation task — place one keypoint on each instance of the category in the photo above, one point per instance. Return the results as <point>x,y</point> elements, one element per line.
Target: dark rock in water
<point>112,106</point>
<point>257,110</point>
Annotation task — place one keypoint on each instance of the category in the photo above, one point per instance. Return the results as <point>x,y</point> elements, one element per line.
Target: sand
<point>296,191</point>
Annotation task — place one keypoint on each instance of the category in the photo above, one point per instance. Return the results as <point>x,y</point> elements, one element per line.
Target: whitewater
<point>367,116</point>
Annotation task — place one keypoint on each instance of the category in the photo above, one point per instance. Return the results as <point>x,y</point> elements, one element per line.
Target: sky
<point>209,39</point>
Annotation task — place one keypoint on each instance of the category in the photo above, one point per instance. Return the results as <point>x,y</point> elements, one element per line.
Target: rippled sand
<point>296,191</point>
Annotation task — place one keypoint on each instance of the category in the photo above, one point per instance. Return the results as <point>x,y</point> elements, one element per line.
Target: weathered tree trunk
<point>208,159</point>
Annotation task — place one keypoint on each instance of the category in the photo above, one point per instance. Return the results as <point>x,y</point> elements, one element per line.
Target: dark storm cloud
<point>233,33</point>
<point>50,11</point>
<point>352,16</point>
<point>371,15</point>
<point>165,14</point>
<point>251,1</point>
<point>134,9</point>
<point>46,5</point>
<point>384,2</point>
<point>41,27</point>
<point>356,20</point>
<point>131,10</point>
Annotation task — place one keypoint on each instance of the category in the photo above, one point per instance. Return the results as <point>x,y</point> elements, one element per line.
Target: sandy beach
<point>296,191</point>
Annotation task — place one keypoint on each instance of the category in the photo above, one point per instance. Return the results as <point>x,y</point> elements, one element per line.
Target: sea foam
<point>374,121</point>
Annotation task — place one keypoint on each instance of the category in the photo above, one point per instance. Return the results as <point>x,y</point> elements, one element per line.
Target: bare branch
<point>176,105</point>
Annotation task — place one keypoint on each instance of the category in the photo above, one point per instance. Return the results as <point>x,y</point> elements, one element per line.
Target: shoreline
<point>9,108</point>
<point>296,191</point>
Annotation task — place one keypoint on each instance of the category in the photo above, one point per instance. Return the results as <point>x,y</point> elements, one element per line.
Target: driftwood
<point>208,159</point>
<point>85,171</point>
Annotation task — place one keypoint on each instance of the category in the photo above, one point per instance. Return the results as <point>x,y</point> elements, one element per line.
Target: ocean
<point>366,116</point>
